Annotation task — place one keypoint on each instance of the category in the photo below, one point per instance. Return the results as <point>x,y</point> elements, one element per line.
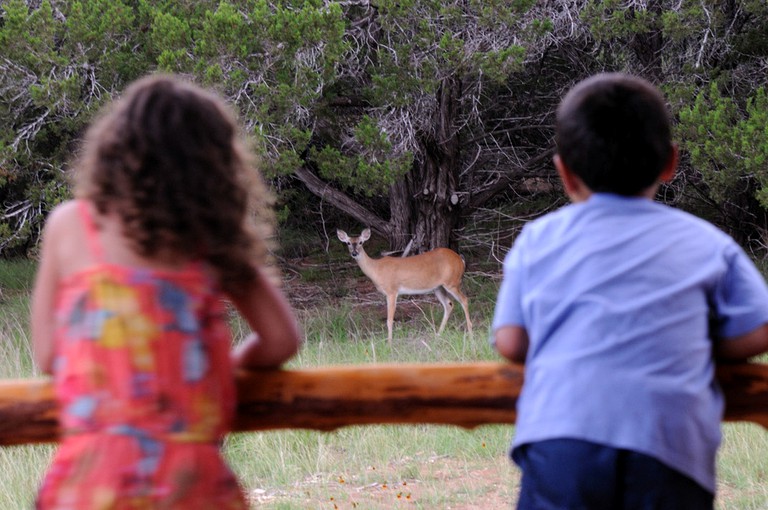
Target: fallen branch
<point>326,398</point>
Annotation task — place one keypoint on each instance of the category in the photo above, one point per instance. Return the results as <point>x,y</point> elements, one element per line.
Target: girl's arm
<point>276,334</point>
<point>43,297</point>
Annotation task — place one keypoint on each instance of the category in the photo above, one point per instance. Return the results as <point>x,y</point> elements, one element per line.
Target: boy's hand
<point>512,343</point>
<point>739,348</point>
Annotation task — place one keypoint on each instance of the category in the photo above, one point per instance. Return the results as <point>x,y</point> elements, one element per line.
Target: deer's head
<point>355,244</point>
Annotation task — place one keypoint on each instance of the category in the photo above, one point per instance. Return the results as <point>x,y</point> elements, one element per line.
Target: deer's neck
<point>366,263</point>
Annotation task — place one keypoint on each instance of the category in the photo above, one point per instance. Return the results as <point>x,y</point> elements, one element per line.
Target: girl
<point>127,311</point>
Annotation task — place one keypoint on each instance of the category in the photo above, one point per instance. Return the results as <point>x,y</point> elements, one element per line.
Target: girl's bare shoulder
<point>64,216</point>
<point>65,239</point>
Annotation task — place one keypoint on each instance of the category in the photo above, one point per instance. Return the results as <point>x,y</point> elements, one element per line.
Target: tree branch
<point>341,200</point>
<point>532,168</point>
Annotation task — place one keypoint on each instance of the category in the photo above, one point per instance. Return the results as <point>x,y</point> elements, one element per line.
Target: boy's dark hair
<point>167,158</point>
<point>613,132</point>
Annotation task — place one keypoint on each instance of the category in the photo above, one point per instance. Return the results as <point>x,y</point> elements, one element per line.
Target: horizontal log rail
<point>326,398</point>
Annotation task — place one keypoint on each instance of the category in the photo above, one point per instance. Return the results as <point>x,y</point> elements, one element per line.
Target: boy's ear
<point>670,168</point>
<point>575,188</point>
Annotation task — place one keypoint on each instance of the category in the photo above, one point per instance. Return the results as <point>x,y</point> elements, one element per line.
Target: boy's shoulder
<point>689,220</point>
<point>620,214</point>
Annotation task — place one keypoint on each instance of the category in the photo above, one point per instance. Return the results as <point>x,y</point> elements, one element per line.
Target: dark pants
<point>568,474</point>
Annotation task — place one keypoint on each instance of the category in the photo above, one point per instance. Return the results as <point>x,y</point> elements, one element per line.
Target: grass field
<point>372,467</point>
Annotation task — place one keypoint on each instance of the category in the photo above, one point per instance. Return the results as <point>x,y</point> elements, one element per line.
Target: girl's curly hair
<point>169,160</point>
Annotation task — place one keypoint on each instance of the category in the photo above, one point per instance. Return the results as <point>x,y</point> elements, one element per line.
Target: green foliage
<point>754,42</point>
<point>225,31</point>
<point>610,19</point>
<point>57,68</point>
<point>282,63</point>
<point>706,57</point>
<point>366,96</point>
<point>170,37</point>
<point>28,38</point>
<point>429,40</point>
<point>373,170</point>
<point>499,65</point>
<point>274,59</point>
<point>728,144</point>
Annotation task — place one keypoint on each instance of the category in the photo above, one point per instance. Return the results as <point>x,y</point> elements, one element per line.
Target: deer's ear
<point>365,235</point>
<point>343,237</point>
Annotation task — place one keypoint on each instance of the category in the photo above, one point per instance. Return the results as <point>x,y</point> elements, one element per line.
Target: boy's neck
<point>577,191</point>
<point>648,194</point>
<point>584,195</point>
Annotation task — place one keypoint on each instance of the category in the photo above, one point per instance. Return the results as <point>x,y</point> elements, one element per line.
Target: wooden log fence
<point>326,398</point>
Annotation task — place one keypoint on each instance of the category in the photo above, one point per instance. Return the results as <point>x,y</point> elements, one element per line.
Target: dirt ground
<point>445,483</point>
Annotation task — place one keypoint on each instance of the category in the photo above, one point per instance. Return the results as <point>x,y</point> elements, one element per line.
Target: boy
<point>618,306</point>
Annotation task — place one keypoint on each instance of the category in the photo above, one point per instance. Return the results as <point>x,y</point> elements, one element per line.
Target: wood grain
<point>326,398</point>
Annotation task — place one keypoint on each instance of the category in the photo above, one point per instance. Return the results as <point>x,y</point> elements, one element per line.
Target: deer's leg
<point>442,296</point>
<point>391,304</point>
<point>461,298</point>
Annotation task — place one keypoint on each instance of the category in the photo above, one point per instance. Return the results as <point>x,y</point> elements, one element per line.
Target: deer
<point>439,271</point>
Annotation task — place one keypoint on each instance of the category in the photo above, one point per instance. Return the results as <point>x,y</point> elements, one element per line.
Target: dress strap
<point>91,233</point>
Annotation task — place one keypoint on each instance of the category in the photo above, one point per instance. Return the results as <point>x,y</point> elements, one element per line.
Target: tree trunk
<point>424,204</point>
<point>401,213</point>
<point>648,46</point>
<point>436,210</point>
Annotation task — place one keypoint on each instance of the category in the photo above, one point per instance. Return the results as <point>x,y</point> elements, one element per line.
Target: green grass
<point>365,467</point>
<point>743,467</point>
<point>17,275</point>
<point>22,468</point>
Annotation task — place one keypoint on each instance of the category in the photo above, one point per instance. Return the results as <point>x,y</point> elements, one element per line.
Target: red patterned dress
<point>145,389</point>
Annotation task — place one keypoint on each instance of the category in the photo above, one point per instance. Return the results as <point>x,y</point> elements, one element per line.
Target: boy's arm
<point>508,335</point>
<point>741,304</point>
<point>741,347</point>
<point>511,342</point>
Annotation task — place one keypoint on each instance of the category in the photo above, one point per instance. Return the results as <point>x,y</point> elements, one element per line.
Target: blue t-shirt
<point>621,298</point>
